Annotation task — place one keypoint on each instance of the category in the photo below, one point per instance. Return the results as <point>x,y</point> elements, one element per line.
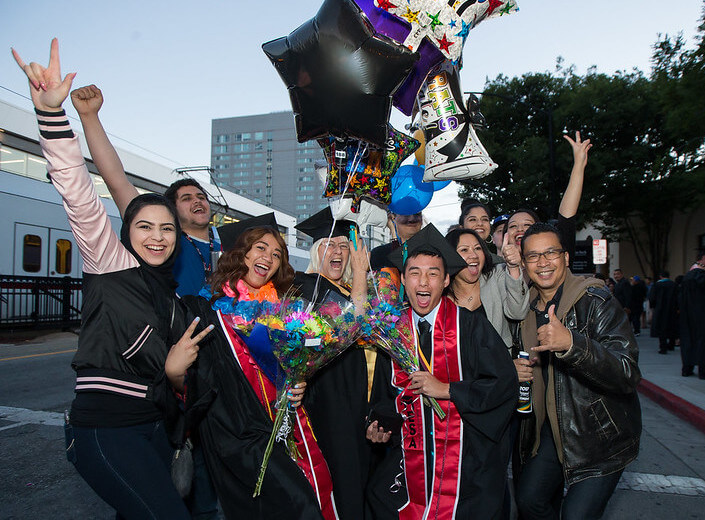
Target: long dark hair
<point>231,266</point>
<point>453,239</point>
<point>468,205</point>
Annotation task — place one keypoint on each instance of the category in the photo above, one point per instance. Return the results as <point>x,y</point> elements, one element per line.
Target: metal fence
<point>35,301</point>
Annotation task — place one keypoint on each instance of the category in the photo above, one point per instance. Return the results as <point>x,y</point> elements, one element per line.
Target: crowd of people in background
<point>159,359</point>
<point>671,309</point>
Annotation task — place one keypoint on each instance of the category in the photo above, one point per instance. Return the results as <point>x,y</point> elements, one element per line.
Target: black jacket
<point>590,395</point>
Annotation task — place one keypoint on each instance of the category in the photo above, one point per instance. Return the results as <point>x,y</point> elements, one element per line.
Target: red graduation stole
<point>312,462</point>
<point>447,434</point>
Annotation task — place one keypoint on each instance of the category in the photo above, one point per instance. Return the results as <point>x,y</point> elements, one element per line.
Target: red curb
<point>674,404</point>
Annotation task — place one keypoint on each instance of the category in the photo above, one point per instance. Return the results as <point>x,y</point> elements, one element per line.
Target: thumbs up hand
<point>553,336</point>
<point>510,252</point>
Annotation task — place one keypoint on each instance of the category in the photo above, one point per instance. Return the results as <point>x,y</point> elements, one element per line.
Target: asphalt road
<point>666,482</point>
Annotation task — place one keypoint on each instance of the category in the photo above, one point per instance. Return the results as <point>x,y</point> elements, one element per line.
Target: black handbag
<point>182,468</point>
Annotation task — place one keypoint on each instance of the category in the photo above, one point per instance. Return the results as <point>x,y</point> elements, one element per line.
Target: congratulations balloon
<point>340,74</point>
<point>453,150</point>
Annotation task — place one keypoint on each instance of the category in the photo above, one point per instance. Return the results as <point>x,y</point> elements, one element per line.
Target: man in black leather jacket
<point>586,419</point>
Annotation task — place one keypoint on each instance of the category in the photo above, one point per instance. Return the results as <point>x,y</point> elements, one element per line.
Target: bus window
<point>63,256</point>
<point>31,253</point>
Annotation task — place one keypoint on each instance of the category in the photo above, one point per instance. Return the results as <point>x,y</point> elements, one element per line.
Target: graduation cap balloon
<point>428,240</point>
<point>340,74</point>
<point>229,233</point>
<point>445,24</point>
<point>361,171</point>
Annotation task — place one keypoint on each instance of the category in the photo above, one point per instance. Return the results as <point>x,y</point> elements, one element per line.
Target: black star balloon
<point>341,76</point>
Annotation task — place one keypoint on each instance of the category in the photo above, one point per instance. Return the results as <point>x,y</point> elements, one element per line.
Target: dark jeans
<point>541,484</point>
<point>129,468</point>
<point>203,501</point>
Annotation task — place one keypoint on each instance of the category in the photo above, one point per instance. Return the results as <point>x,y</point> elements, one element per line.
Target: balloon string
<point>355,162</point>
<point>403,259</point>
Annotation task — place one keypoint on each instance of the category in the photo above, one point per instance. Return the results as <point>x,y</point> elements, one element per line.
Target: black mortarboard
<point>318,226</point>
<point>429,239</point>
<point>229,233</point>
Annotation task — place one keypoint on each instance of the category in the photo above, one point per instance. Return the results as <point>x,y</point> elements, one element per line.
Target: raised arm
<point>99,245</point>
<point>571,197</point>
<point>87,102</point>
<point>359,261</point>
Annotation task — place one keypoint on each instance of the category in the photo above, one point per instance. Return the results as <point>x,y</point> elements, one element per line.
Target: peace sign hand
<point>182,355</point>
<point>47,88</point>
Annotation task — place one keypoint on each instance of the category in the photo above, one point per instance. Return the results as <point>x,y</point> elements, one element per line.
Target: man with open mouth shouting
<point>454,467</point>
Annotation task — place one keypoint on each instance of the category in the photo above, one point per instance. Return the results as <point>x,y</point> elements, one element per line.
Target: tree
<point>649,144</point>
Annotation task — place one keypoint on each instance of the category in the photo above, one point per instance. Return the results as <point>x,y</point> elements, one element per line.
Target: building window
<point>259,136</point>
<point>31,253</point>
<point>221,166</point>
<point>242,147</point>
<point>222,138</point>
<point>257,181</point>
<point>306,178</point>
<point>63,256</point>
<point>220,149</point>
<point>222,157</point>
<point>304,188</point>
<point>306,169</point>
<point>304,197</point>
<point>22,163</point>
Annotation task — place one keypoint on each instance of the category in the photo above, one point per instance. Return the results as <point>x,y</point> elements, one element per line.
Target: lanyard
<point>206,265</point>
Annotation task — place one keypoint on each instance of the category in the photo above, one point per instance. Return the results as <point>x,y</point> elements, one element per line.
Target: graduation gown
<point>336,401</point>
<point>483,396</point>
<point>234,431</point>
<point>692,319</point>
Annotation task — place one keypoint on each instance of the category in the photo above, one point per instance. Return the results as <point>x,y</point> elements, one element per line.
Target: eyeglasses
<point>551,254</point>
<point>332,246</point>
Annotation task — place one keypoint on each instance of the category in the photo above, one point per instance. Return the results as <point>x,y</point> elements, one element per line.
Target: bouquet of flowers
<point>300,342</point>
<point>388,326</point>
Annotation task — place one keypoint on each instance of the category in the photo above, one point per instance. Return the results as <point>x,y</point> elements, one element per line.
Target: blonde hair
<point>314,264</point>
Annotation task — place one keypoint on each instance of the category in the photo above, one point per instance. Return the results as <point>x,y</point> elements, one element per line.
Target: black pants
<point>129,468</point>
<point>541,483</point>
<point>635,318</point>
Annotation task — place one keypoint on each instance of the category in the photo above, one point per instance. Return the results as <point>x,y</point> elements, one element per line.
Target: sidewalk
<point>662,382</point>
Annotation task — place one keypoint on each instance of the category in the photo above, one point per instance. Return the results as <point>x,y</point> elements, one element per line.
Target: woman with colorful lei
<point>337,396</point>
<point>236,399</point>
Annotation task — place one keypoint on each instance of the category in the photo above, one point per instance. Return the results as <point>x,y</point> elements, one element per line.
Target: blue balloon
<point>432,185</point>
<point>439,185</point>
<point>409,193</point>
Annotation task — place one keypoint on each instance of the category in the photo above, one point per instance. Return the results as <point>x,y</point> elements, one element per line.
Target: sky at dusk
<point>167,68</point>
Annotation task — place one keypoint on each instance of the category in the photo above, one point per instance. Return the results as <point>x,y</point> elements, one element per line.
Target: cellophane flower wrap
<point>388,326</point>
<point>302,341</point>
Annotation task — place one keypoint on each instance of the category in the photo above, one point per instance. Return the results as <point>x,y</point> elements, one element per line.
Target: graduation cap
<point>229,233</point>
<point>318,226</point>
<point>430,240</point>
